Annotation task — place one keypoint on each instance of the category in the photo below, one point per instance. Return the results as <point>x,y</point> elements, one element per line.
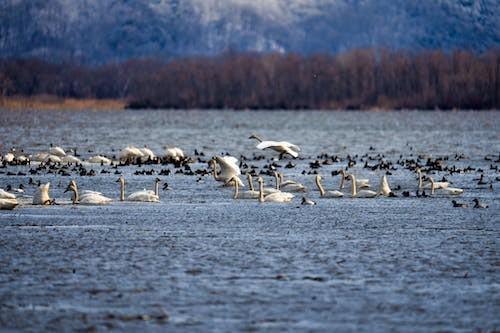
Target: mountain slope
<point>99,31</point>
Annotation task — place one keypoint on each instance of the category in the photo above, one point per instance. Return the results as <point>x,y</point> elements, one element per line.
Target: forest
<point>359,79</point>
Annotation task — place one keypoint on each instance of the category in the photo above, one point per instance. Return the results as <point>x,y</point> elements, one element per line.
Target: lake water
<point>201,261</point>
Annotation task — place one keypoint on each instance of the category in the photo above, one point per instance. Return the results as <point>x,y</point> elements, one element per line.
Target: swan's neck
<point>214,172</point>
<point>419,180</point>
<point>320,187</point>
<point>122,191</point>
<point>433,187</point>
<point>277,179</point>
<point>353,186</point>
<point>235,196</point>
<point>250,182</point>
<point>342,176</point>
<point>261,192</point>
<point>257,138</point>
<point>75,197</point>
<point>157,188</point>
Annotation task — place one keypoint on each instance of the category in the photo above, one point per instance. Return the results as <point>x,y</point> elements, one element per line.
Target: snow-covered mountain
<point>104,30</point>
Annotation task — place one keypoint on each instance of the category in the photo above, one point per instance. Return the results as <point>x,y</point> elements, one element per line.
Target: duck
<point>144,195</point>
<point>282,147</point>
<point>360,183</point>
<point>8,204</point>
<point>362,193</point>
<point>307,202</point>
<point>228,168</point>
<point>281,197</point>
<point>99,159</point>
<point>459,204</point>
<point>446,190</point>
<point>250,194</point>
<point>327,194</point>
<point>478,204</point>
<point>41,196</point>
<point>290,185</point>
<point>87,197</point>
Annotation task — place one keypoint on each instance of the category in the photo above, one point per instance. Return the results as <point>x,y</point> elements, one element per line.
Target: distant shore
<point>49,102</point>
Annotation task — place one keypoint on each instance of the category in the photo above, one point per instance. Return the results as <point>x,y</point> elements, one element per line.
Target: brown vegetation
<point>46,102</point>
<point>360,79</point>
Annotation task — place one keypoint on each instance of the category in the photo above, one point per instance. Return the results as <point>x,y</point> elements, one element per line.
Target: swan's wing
<point>6,195</point>
<point>268,144</point>
<point>146,152</point>
<point>229,166</point>
<point>145,196</point>
<point>282,146</point>
<point>289,145</point>
<point>94,199</point>
<point>179,152</point>
<point>87,192</point>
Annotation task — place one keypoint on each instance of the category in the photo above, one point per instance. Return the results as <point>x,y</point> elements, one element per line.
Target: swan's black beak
<point>118,180</point>
<point>68,189</point>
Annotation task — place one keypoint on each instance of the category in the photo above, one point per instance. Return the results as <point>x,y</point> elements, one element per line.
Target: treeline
<point>358,79</point>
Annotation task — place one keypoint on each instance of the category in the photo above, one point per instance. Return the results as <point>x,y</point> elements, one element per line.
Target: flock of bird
<point>227,170</point>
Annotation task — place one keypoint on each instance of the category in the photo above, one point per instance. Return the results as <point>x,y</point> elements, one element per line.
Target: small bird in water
<point>477,204</point>
<point>459,204</point>
<point>308,202</point>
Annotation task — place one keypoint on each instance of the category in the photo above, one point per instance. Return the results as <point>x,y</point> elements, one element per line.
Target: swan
<point>87,197</point>
<point>8,204</point>
<point>144,195</point>
<point>41,196</point>
<point>273,197</point>
<point>147,154</point>
<point>384,188</point>
<point>250,194</point>
<point>437,185</point>
<point>282,147</point>
<point>327,194</point>
<point>71,159</point>
<point>173,154</point>
<point>9,157</point>
<point>98,159</point>
<point>362,193</point>
<point>290,185</point>
<point>446,190</point>
<point>267,190</point>
<point>130,152</point>
<point>52,158</point>
<point>39,157</point>
<point>360,183</point>
<point>6,195</point>
<point>228,168</point>
<point>57,151</point>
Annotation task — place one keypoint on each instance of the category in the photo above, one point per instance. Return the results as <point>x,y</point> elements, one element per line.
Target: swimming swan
<point>282,147</point>
<point>267,190</point>
<point>384,188</point>
<point>41,196</point>
<point>445,190</point>
<point>360,183</point>
<point>250,194</point>
<point>8,204</point>
<point>273,197</point>
<point>6,195</point>
<point>98,159</point>
<point>87,197</point>
<point>327,194</point>
<point>290,185</point>
<point>143,196</point>
<point>437,185</point>
<point>362,193</point>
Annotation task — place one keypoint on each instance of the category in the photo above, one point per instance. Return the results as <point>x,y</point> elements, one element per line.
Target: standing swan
<point>282,147</point>
<point>41,196</point>
<point>327,194</point>
<point>87,197</point>
<point>144,195</point>
<point>362,193</point>
<point>273,197</point>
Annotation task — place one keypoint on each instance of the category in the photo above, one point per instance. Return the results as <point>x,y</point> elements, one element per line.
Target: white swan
<point>250,194</point>
<point>8,204</point>
<point>360,183</point>
<point>52,158</point>
<point>445,190</point>
<point>41,196</point>
<point>327,194</point>
<point>71,159</point>
<point>282,147</point>
<point>143,196</point>
<point>147,154</point>
<point>57,151</point>
<point>437,185</point>
<point>273,197</point>
<point>290,185</point>
<point>361,193</point>
<point>98,159</point>
<point>173,154</point>
<point>130,152</point>
<point>9,157</point>
<point>228,168</point>
<point>384,188</point>
<point>6,195</point>
<point>87,197</point>
<point>267,190</point>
